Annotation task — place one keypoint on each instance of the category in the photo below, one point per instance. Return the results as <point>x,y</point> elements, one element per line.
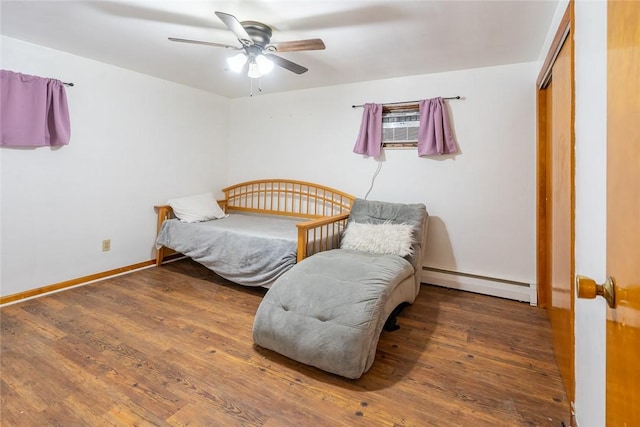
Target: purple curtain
<point>369,140</point>
<point>33,111</point>
<point>434,133</point>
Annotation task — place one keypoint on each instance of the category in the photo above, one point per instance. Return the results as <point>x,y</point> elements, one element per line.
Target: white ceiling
<point>365,40</point>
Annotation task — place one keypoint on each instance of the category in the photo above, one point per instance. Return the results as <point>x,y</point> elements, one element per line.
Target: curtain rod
<point>68,84</point>
<point>404,102</point>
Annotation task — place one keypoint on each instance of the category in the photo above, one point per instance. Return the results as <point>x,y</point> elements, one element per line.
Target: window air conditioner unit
<point>400,127</point>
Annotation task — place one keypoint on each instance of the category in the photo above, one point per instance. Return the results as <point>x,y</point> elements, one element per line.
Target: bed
<point>265,227</point>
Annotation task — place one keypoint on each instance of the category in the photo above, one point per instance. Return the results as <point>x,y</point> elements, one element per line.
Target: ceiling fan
<point>258,51</point>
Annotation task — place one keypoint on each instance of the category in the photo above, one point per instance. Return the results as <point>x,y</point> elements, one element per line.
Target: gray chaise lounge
<point>328,310</point>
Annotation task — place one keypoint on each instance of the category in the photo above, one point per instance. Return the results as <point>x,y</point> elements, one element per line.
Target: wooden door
<point>623,212</point>
<point>560,220</point>
<point>555,197</point>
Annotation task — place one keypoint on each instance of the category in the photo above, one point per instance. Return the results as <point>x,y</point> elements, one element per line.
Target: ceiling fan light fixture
<point>236,62</point>
<point>264,64</point>
<point>254,70</point>
<point>255,40</point>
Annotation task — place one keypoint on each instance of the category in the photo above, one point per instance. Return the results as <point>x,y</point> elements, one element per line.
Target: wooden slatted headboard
<point>287,197</point>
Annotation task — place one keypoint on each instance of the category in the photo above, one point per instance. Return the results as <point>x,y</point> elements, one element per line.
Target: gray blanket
<point>251,250</point>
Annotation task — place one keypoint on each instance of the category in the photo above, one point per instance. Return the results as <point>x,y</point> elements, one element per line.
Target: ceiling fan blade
<point>226,46</point>
<point>310,44</point>
<point>236,28</point>
<point>285,63</point>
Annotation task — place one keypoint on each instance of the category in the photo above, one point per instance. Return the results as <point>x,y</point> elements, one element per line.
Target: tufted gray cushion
<point>327,310</point>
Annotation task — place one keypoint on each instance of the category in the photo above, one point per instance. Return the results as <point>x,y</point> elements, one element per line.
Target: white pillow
<point>201,207</point>
<point>385,238</point>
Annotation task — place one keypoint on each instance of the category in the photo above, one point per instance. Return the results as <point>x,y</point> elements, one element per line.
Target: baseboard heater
<point>486,285</point>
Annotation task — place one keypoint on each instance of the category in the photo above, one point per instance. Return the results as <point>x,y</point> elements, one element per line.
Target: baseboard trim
<point>502,288</point>
<point>173,258</point>
<point>31,293</point>
<point>497,287</point>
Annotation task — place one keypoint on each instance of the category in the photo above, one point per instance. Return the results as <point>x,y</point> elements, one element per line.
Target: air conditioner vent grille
<point>400,127</point>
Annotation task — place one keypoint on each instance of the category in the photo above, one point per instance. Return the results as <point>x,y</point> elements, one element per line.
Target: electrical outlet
<point>106,245</point>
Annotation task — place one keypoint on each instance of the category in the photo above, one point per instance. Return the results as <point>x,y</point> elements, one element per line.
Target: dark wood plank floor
<point>173,346</point>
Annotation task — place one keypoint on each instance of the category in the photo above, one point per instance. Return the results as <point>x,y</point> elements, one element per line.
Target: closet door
<point>555,199</point>
<point>561,218</point>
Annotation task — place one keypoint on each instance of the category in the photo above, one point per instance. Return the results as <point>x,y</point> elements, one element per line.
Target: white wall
<point>591,181</point>
<point>135,142</point>
<point>481,202</point>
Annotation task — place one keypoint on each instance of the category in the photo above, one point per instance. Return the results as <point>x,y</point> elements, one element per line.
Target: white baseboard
<point>480,284</point>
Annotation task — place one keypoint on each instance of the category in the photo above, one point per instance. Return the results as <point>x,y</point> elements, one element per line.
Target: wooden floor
<point>173,346</point>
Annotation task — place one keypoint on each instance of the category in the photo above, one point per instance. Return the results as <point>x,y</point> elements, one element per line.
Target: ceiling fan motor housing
<point>260,33</point>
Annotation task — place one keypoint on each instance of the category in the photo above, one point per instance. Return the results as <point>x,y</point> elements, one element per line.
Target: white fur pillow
<point>385,238</point>
<point>201,207</point>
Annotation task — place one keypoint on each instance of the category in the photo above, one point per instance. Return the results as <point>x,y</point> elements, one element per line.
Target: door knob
<point>588,288</point>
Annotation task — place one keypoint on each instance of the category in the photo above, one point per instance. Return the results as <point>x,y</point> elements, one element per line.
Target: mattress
<point>248,249</point>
